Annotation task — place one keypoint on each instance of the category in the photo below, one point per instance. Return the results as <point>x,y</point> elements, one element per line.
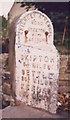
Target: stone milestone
<point>36,61</point>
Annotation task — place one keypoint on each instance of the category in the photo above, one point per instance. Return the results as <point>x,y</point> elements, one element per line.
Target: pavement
<point>24,111</point>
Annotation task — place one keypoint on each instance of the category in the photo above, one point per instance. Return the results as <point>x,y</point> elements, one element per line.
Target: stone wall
<point>64,77</point>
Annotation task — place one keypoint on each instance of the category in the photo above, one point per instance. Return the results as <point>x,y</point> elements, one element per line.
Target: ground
<point>24,111</point>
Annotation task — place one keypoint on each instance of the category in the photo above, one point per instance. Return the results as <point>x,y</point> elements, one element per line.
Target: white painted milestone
<point>37,61</point>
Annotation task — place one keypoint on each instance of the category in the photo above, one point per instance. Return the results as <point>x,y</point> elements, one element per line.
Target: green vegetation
<point>4,27</point>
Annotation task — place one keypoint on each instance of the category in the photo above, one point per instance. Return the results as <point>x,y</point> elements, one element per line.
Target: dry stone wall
<point>64,74</point>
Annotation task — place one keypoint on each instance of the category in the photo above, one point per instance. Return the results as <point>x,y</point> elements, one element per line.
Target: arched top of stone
<point>34,28</point>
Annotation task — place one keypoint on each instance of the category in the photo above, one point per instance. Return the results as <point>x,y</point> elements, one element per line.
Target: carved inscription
<point>37,76</point>
<point>37,68</point>
<point>37,26</point>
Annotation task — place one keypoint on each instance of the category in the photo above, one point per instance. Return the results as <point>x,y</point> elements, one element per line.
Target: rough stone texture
<point>6,88</point>
<point>64,76</point>
<point>13,16</point>
<point>3,58</point>
<point>19,10</point>
<point>37,62</point>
